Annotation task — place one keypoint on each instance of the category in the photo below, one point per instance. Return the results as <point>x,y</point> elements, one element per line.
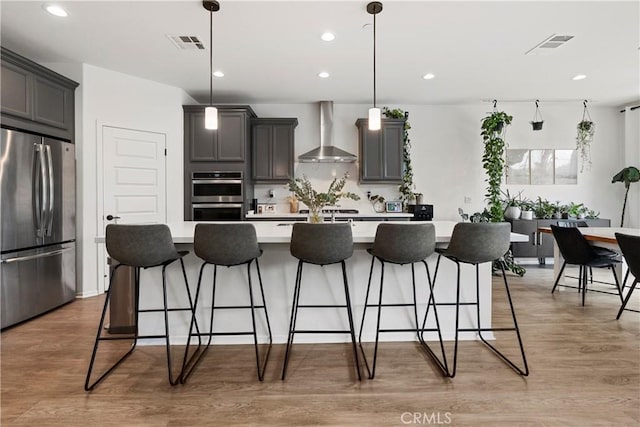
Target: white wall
<point>117,99</point>
<point>447,153</point>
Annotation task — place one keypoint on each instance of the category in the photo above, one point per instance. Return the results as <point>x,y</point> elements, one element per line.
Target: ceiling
<point>271,51</point>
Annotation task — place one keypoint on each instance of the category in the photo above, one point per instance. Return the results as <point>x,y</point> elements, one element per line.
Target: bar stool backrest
<point>630,247</point>
<point>147,245</point>
<point>321,243</point>
<point>476,243</point>
<point>573,246</point>
<point>404,243</point>
<point>226,244</point>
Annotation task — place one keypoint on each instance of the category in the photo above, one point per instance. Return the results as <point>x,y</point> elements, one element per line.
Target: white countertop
<point>280,231</point>
<point>276,216</point>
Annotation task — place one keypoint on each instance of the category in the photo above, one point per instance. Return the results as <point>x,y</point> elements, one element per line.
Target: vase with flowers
<point>304,192</point>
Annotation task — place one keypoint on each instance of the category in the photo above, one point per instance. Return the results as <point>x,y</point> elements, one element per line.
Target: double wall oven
<point>217,196</point>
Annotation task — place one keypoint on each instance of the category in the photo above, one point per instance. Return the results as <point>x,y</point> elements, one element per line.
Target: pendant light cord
<point>374,60</point>
<point>211,57</point>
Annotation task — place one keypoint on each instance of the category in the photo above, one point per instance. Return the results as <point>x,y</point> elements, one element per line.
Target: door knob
<point>111,217</point>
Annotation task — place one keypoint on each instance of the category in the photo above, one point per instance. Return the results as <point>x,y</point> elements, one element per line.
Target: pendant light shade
<point>375,122</point>
<point>211,112</point>
<point>211,118</point>
<point>375,116</point>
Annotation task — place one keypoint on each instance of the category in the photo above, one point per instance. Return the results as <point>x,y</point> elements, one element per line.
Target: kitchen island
<point>322,285</point>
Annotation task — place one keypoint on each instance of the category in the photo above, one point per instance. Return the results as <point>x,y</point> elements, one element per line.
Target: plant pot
<point>526,215</point>
<point>556,215</point>
<point>499,126</point>
<point>565,216</point>
<point>582,216</point>
<point>537,125</point>
<point>512,212</point>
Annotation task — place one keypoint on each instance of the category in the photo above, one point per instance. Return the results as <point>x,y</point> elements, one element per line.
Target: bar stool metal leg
<point>442,364</point>
<point>292,322</point>
<point>515,323</point>
<point>350,316</point>
<point>253,321</point>
<point>87,386</point>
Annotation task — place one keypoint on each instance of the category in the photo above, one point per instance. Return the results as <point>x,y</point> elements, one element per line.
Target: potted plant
<point>586,130</point>
<point>527,209</point>
<point>303,191</point>
<point>493,159</point>
<point>627,176</point>
<point>511,205</point>
<point>378,203</point>
<point>575,210</point>
<point>537,122</point>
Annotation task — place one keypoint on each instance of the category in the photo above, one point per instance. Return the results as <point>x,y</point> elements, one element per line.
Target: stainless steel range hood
<point>326,152</point>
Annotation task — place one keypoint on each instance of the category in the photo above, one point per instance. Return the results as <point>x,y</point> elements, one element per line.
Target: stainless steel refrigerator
<point>38,232</point>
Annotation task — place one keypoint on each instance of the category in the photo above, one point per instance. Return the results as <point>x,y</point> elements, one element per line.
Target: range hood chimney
<point>326,152</point>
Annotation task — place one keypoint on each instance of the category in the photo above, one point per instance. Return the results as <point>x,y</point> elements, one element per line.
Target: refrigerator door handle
<point>50,189</point>
<point>36,256</point>
<point>40,184</point>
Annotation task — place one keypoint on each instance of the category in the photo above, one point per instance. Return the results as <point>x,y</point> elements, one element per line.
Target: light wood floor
<point>585,370</point>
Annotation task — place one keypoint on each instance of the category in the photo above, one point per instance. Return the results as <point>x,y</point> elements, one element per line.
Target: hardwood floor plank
<point>585,371</point>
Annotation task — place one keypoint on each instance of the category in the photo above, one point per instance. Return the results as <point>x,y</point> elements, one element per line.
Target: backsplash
<point>321,175</point>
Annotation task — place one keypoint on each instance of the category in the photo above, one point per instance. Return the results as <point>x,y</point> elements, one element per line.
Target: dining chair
<point>630,247</point>
<point>575,250</point>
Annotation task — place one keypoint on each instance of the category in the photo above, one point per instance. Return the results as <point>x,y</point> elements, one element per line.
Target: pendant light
<point>211,112</point>
<point>375,118</point>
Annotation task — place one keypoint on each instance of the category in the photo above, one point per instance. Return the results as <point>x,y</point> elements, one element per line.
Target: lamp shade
<point>374,119</point>
<point>211,118</point>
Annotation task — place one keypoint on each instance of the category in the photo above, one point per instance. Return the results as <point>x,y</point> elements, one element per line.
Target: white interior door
<point>134,180</point>
<point>134,176</point>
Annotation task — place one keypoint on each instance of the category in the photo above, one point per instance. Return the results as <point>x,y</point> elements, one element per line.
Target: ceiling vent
<point>549,44</point>
<point>186,42</point>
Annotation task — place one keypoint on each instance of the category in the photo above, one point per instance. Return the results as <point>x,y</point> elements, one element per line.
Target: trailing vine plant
<point>493,161</point>
<point>586,130</point>
<point>407,186</point>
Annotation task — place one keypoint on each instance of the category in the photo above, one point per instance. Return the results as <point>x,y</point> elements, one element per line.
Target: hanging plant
<point>493,160</point>
<point>537,122</point>
<point>407,186</point>
<point>586,130</point>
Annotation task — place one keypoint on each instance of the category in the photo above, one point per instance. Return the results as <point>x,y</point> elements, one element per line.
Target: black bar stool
<point>630,247</point>
<point>227,245</point>
<point>477,243</point>
<point>320,244</point>
<point>401,244</point>
<point>140,246</point>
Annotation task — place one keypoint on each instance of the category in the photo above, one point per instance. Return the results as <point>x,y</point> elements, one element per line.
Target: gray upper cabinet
<point>272,149</point>
<point>381,151</point>
<point>225,144</point>
<point>35,98</point>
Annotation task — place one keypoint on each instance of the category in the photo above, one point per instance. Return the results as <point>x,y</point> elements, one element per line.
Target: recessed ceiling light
<point>323,75</point>
<point>428,76</point>
<point>327,36</point>
<point>579,77</point>
<point>55,10</point>
<point>218,73</point>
